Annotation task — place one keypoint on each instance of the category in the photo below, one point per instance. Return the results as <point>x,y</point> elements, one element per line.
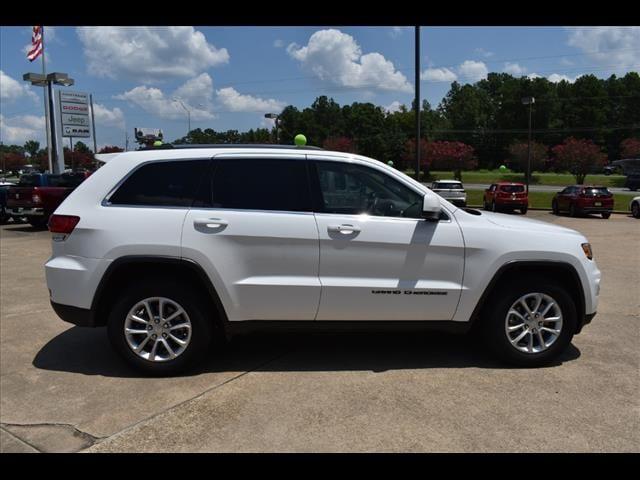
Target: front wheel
<point>160,327</point>
<point>635,209</point>
<point>531,323</point>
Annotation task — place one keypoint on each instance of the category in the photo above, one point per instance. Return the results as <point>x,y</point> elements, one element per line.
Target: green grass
<point>543,200</point>
<point>537,178</point>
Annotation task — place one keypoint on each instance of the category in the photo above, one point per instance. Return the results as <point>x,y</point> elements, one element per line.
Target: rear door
<point>255,234</point>
<point>379,260</point>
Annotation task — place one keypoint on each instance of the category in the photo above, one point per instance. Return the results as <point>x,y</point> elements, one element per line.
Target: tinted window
<point>68,180</point>
<point>448,185</point>
<point>29,181</point>
<point>261,184</point>
<point>512,188</point>
<point>355,189</point>
<point>597,191</point>
<point>162,184</point>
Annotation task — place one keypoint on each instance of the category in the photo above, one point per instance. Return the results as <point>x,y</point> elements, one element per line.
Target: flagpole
<point>47,113</point>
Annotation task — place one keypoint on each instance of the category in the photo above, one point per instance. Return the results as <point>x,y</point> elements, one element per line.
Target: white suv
<point>172,248</point>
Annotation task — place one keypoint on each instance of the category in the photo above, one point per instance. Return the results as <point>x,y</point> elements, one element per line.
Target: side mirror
<point>431,207</point>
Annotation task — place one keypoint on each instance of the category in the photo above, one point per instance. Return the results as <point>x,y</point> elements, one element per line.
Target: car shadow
<point>24,228</point>
<point>87,351</point>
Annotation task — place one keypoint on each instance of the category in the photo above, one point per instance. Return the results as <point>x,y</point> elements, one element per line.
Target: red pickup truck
<point>37,195</point>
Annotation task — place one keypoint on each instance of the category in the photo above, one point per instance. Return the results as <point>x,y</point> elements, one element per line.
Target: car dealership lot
<point>64,389</point>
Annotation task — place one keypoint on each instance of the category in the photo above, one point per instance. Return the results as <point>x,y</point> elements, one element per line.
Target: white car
<point>634,207</point>
<point>174,248</point>
<point>452,190</point>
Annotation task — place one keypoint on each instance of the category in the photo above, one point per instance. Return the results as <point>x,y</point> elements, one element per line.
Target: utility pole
<point>529,101</point>
<point>417,100</point>
<point>47,112</point>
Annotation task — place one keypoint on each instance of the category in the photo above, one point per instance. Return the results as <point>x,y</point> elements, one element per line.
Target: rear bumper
<point>595,209</point>
<point>82,317</point>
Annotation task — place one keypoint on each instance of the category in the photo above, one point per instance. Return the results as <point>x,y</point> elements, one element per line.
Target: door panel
<point>261,255</point>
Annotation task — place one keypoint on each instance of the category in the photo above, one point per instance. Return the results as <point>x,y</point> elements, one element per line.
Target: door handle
<point>344,229</point>
<point>211,223</point>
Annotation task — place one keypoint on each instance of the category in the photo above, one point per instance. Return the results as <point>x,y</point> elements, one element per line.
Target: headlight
<point>586,248</point>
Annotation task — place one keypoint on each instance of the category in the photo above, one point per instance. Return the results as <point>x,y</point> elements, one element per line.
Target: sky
<point>229,77</point>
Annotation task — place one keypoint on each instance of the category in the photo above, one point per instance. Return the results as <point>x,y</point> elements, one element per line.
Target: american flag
<point>36,44</point>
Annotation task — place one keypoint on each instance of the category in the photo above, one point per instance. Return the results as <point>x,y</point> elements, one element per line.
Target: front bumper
<point>82,317</point>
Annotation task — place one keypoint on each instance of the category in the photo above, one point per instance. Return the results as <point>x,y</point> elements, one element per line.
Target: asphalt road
<point>63,389</point>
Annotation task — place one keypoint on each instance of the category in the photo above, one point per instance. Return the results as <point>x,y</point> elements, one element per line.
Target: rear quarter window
<point>512,188</point>
<point>164,184</point>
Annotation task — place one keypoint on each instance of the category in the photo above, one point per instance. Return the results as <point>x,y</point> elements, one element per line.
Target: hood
<point>522,223</point>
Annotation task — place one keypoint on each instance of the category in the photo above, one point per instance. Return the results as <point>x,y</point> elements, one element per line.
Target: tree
<point>518,156</point>
<point>454,156</point>
<point>630,148</point>
<point>409,157</point>
<point>110,149</point>
<point>339,144</point>
<point>579,156</point>
<point>31,147</point>
<point>81,147</point>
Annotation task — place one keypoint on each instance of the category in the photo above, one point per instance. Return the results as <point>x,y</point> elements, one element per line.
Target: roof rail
<point>170,146</point>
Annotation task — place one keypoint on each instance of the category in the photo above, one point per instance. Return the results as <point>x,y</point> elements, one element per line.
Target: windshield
<point>447,185</point>
<point>512,188</point>
<point>596,191</point>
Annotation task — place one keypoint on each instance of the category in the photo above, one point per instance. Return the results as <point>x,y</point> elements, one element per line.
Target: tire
<point>606,215</point>
<point>485,204</point>
<point>523,210</point>
<point>572,210</point>
<point>4,216</point>
<point>38,222</point>
<point>201,330</point>
<point>635,209</point>
<point>493,206</point>
<point>494,322</point>
<point>554,208</point>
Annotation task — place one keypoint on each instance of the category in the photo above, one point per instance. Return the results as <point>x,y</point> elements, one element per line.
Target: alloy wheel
<point>533,323</point>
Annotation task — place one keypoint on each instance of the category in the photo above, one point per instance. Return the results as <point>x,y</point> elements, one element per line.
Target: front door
<point>379,260</point>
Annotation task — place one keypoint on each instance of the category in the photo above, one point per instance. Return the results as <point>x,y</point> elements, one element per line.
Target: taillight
<point>63,223</point>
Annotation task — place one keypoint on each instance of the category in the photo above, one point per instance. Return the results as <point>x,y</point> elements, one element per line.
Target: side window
<point>172,183</point>
<point>492,188</point>
<point>355,189</point>
<point>261,184</point>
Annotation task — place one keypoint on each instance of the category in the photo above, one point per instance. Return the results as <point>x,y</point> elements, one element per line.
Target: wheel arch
<point>561,271</point>
<point>119,272</point>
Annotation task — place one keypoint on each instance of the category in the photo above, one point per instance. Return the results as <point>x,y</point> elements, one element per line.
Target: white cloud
<point>438,75</point>
<point>395,32</point>
<point>11,89</point>
<point>234,101</point>
<point>148,54</point>
<point>514,69</point>
<point>335,57</point>
<point>393,107</point>
<point>108,118</point>
<point>483,52</point>
<point>614,47</point>
<point>556,77</point>
<point>196,94</point>
<point>17,130</point>
<point>472,71</point>
<point>278,43</point>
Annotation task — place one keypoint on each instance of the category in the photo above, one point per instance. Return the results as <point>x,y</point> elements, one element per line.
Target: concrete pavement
<point>63,389</point>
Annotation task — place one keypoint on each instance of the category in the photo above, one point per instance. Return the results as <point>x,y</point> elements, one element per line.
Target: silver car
<point>451,190</point>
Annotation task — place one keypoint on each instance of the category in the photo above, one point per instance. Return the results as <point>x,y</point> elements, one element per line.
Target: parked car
<point>580,199</point>
<point>634,206</point>
<point>175,250</point>
<point>506,196</point>
<point>632,182</point>
<point>452,190</point>
<point>4,186</point>
<point>37,195</point>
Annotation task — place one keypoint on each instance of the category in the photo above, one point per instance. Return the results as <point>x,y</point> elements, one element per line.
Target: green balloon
<point>300,140</point>
<point>157,143</point>
<point>390,163</point>
<point>503,168</point>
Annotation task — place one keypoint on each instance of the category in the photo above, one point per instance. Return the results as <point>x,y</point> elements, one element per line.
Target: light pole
<point>275,117</point>
<point>47,81</point>
<point>176,99</point>
<point>529,101</point>
<point>417,100</point>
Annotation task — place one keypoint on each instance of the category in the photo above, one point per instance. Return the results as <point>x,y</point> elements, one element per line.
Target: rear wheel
<point>635,209</point>
<point>523,210</point>
<point>606,215</point>
<point>530,323</point>
<point>160,327</point>
<point>572,210</point>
